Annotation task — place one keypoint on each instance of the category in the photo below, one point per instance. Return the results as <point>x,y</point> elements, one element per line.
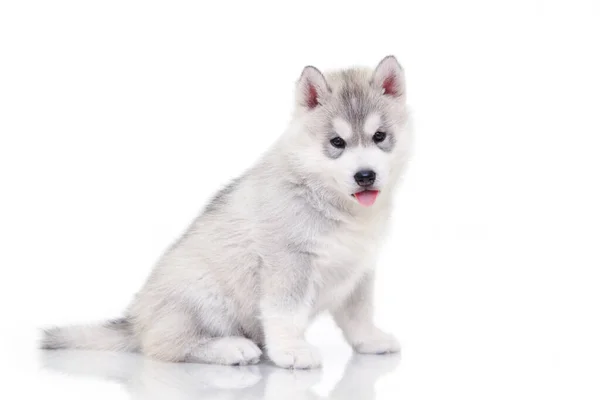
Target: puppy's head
<point>351,128</point>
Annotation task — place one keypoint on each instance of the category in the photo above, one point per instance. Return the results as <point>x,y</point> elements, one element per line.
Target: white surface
<point>118,120</point>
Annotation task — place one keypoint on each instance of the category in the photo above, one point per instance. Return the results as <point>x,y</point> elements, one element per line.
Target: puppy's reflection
<point>148,379</point>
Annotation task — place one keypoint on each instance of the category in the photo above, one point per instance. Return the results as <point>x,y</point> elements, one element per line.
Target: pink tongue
<point>366,198</point>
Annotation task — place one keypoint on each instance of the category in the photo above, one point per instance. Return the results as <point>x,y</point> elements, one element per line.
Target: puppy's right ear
<point>311,88</point>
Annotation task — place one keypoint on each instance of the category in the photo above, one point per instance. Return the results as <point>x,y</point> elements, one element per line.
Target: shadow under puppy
<point>297,234</point>
<point>145,378</point>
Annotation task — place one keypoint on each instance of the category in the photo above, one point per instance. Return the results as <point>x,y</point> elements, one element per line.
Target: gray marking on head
<point>390,141</point>
<point>356,101</point>
<point>353,100</point>
<point>329,150</point>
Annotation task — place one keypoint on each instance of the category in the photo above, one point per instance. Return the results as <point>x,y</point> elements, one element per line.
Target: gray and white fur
<point>282,243</point>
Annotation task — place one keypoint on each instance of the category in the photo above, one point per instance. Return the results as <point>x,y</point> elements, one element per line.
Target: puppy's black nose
<point>365,177</point>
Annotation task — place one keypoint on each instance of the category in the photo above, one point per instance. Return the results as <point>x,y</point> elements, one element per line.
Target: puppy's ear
<point>389,77</point>
<point>311,88</point>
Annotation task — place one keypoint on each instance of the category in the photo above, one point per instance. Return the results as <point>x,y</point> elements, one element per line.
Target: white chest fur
<point>344,256</point>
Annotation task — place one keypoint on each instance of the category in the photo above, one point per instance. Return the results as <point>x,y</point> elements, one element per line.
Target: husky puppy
<point>295,235</point>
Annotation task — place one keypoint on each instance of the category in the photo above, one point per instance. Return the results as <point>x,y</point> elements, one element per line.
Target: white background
<point>119,119</point>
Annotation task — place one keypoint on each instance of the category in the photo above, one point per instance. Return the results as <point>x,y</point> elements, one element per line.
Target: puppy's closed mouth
<point>366,198</point>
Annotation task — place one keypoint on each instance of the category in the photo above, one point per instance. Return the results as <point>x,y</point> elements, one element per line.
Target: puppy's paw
<point>236,351</point>
<point>377,342</point>
<point>296,355</point>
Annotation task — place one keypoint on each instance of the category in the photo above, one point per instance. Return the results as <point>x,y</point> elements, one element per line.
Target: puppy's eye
<point>379,137</point>
<point>338,142</point>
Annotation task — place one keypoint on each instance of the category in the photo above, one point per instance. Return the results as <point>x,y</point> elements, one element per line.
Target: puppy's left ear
<point>389,77</point>
<point>311,88</point>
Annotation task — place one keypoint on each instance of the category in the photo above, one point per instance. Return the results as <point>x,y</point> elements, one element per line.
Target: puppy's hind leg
<point>178,337</point>
<point>229,350</point>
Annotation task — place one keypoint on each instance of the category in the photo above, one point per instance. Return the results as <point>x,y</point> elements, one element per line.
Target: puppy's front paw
<point>377,342</point>
<point>297,354</point>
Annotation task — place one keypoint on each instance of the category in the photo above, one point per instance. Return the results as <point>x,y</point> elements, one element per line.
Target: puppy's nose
<point>365,177</point>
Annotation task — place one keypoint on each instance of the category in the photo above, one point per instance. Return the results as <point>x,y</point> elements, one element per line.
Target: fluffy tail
<point>115,335</point>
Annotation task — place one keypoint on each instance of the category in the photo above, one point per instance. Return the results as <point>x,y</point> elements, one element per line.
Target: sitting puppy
<point>295,235</point>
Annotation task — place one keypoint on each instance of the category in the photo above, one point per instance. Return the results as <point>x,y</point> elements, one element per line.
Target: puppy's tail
<point>115,335</point>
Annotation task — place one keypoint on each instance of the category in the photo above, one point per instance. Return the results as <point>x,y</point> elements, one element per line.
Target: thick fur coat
<point>297,234</point>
